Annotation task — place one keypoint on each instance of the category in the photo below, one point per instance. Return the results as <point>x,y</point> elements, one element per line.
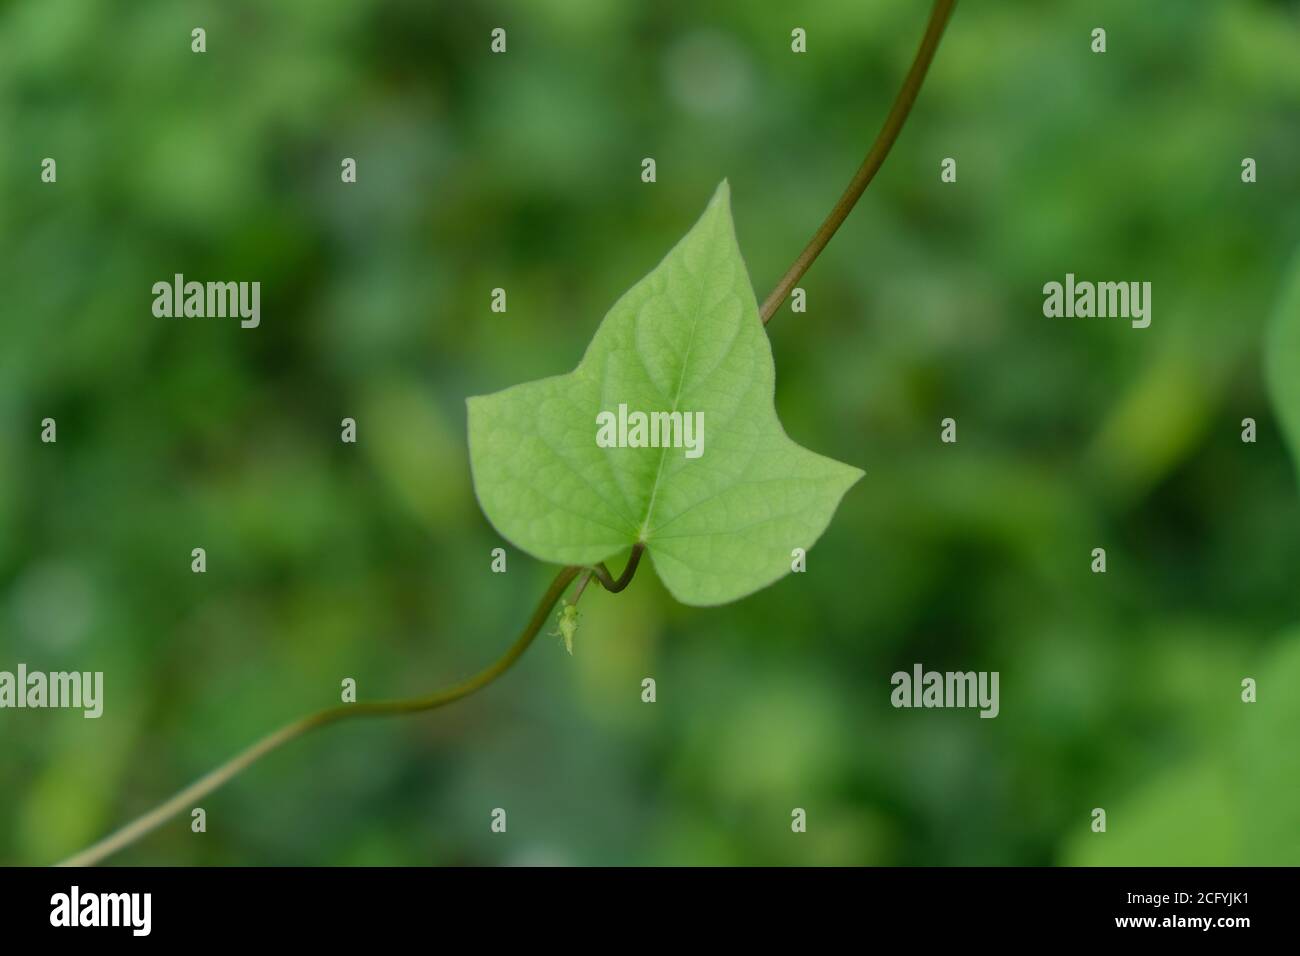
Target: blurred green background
<point>522,171</point>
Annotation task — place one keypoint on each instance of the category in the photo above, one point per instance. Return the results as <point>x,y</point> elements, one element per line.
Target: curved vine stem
<point>298,728</point>
<point>607,580</point>
<point>206,784</point>
<point>885,139</point>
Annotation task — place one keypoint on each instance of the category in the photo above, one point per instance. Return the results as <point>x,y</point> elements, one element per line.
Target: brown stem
<point>607,580</point>
<point>292,731</point>
<point>379,708</point>
<point>875,157</point>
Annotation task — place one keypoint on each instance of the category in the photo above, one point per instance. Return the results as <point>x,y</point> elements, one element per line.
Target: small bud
<point>568,621</point>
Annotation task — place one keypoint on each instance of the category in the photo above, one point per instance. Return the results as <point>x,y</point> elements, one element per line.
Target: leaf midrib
<point>663,452</point>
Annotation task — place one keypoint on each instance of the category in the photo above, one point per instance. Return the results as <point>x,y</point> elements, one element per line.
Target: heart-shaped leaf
<point>708,480</point>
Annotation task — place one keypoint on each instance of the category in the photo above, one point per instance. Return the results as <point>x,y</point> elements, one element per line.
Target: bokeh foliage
<point>522,171</point>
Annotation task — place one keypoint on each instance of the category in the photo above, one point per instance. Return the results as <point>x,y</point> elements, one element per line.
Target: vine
<point>880,148</point>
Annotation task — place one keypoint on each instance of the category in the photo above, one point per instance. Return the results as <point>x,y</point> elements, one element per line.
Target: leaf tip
<point>722,194</point>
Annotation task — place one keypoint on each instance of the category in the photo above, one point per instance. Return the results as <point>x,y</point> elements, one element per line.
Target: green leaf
<point>1282,361</point>
<point>686,338</point>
